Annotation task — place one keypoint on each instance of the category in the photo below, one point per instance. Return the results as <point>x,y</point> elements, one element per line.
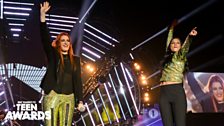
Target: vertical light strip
<point>111,103</point>
<point>118,100</point>
<point>109,84</point>
<point>1,16</point>
<point>83,120</point>
<point>94,102</point>
<point>9,66</point>
<point>26,74</point>
<point>129,88</point>
<point>129,75</point>
<point>90,115</point>
<point>125,98</point>
<point>101,98</point>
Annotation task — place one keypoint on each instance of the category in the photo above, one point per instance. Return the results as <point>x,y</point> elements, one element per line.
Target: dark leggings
<point>173,105</point>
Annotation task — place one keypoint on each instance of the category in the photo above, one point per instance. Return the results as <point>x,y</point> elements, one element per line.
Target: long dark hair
<point>169,55</point>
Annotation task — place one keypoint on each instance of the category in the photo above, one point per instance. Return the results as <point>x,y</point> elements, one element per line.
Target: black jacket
<point>53,57</point>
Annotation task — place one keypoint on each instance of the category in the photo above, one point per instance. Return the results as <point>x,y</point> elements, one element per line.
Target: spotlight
<point>137,66</point>
<point>144,82</point>
<point>90,68</point>
<point>146,94</point>
<point>146,97</point>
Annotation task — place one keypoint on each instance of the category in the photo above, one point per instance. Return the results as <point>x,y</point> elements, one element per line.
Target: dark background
<point>132,22</point>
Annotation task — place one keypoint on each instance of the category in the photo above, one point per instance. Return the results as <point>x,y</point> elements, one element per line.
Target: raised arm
<point>170,34</point>
<point>44,32</point>
<point>185,47</point>
<point>195,87</point>
<point>43,10</point>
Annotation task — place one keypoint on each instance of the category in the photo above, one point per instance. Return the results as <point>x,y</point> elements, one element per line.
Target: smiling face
<point>64,44</point>
<point>217,90</point>
<point>175,45</point>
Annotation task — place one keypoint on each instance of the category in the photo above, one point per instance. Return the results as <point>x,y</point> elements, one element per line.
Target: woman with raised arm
<point>212,99</point>
<point>61,84</point>
<point>173,104</point>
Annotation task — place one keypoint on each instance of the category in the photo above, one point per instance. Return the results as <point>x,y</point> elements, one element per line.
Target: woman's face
<point>175,45</point>
<point>217,91</point>
<point>64,44</point>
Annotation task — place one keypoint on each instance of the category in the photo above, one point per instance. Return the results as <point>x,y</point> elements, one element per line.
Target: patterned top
<point>173,70</point>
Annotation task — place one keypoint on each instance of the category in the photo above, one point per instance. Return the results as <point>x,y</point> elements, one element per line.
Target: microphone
<point>81,107</point>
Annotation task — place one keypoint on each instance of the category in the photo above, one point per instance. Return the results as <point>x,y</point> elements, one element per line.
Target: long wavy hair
<point>57,45</point>
<point>211,80</point>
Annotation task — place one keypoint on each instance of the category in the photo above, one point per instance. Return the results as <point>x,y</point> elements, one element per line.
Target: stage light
<point>95,42</point>
<point>83,54</point>
<point>91,52</point>
<point>14,13</point>
<point>105,41</point>
<point>146,97</point>
<point>59,20</point>
<point>146,94</point>
<point>61,25</point>
<point>94,47</point>
<point>61,29</point>
<point>16,29</point>
<point>90,68</point>
<point>1,14</point>
<point>1,93</point>
<point>129,88</point>
<point>61,16</point>
<point>122,90</point>
<point>18,3</point>
<point>102,32</point>
<point>143,77</point>
<point>15,35</point>
<point>16,19</point>
<point>132,57</point>
<point>17,8</point>
<point>116,94</point>
<point>144,82</point>
<point>137,66</point>
<point>16,24</point>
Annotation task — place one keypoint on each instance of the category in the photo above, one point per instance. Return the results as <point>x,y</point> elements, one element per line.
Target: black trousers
<point>173,105</point>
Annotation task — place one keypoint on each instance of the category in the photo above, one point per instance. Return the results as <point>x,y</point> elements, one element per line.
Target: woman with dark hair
<point>216,90</point>
<point>61,84</point>
<point>212,99</point>
<point>172,96</point>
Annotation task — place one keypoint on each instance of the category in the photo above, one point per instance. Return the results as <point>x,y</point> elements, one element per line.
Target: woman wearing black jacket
<point>61,84</point>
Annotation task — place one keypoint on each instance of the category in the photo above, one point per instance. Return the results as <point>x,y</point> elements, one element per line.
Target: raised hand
<point>81,107</point>
<point>174,23</point>
<point>193,32</point>
<point>43,10</point>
